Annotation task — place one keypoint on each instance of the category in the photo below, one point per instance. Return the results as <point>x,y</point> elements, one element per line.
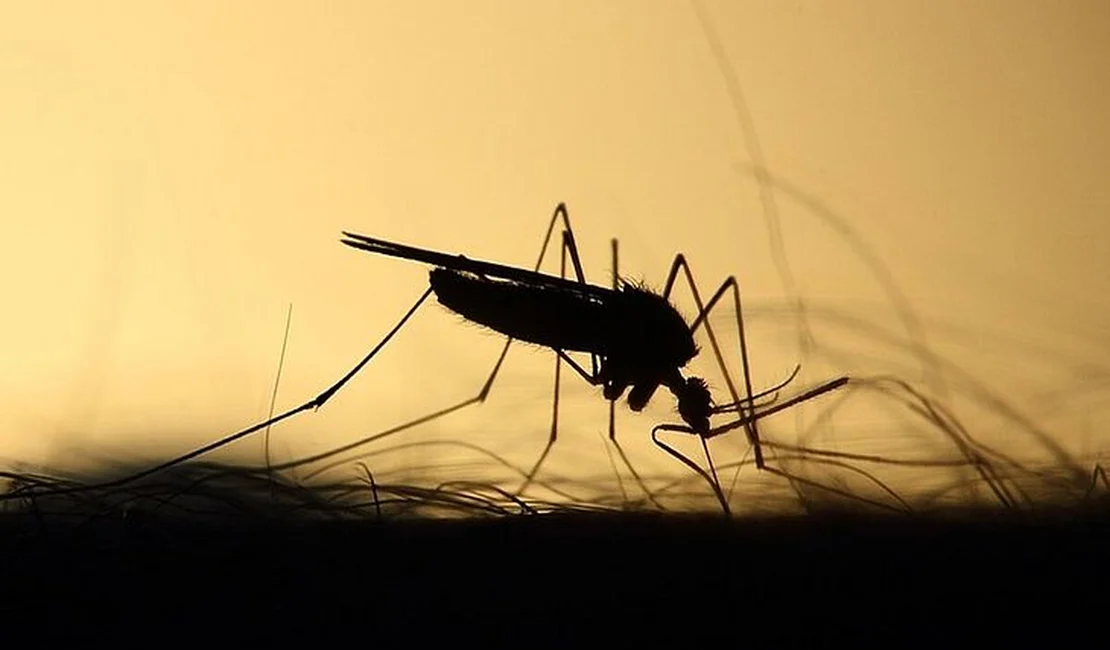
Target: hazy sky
<point>174,175</point>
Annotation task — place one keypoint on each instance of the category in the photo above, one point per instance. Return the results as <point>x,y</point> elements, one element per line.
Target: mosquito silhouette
<point>637,340</point>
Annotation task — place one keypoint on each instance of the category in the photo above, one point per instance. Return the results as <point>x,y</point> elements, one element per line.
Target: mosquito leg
<point>314,403</point>
<point>567,247</point>
<point>712,480</point>
<point>592,379</point>
<point>560,213</point>
<point>746,407</point>
<point>570,247</point>
<point>750,427</point>
<point>615,282</point>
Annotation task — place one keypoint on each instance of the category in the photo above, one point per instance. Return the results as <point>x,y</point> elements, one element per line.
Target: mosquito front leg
<point>702,319</point>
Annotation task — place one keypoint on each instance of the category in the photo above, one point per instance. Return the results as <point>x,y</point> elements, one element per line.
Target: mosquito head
<point>694,402</point>
<point>694,405</point>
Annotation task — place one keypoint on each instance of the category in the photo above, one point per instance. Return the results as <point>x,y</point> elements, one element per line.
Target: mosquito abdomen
<point>546,316</point>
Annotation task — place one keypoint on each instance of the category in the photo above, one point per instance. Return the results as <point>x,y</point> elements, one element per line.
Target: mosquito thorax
<point>648,327</point>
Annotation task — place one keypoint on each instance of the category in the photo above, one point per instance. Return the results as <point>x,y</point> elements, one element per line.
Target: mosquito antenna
<point>772,391</point>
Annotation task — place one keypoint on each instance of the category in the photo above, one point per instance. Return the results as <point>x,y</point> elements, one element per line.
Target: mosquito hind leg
<point>314,403</point>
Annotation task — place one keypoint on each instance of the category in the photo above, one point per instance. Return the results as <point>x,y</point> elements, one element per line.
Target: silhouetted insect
<point>636,339</point>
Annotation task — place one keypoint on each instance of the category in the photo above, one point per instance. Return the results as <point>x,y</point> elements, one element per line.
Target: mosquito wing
<point>478,267</point>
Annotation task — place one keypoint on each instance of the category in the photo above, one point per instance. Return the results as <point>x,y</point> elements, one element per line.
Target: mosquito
<point>636,339</point>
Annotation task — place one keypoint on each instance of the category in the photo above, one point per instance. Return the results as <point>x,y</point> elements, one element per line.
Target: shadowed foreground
<point>90,567</point>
